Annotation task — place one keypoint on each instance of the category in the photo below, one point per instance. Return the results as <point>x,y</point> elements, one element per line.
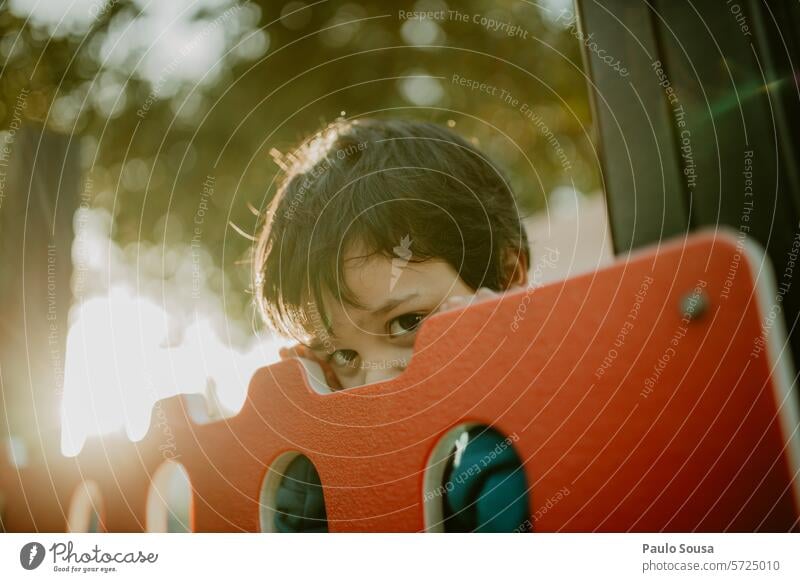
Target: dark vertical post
<point>40,181</point>
<point>635,119</point>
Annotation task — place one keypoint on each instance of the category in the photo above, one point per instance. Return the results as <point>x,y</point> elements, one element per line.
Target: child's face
<point>375,343</point>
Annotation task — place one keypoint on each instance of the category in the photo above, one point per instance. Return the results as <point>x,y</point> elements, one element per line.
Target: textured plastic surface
<point>696,442</point>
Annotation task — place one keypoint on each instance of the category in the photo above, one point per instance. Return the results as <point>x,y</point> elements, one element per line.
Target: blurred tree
<point>176,105</point>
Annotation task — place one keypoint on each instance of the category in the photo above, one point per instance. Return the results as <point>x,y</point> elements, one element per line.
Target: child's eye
<point>343,358</point>
<point>405,323</point>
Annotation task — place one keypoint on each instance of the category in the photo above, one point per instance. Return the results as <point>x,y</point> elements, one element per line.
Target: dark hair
<point>376,182</point>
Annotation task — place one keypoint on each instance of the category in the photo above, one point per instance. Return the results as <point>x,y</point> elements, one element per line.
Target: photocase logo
<point>402,256</point>
<point>31,555</point>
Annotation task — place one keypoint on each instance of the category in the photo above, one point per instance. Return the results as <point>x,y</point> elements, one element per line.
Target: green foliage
<point>153,121</point>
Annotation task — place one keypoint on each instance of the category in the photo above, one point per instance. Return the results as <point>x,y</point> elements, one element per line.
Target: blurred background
<point>136,140</point>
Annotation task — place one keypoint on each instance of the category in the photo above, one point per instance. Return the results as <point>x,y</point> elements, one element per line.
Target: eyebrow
<point>391,304</point>
<point>318,344</point>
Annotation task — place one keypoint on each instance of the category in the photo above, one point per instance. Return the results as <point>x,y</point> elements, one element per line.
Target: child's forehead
<point>368,278</point>
<point>382,285</point>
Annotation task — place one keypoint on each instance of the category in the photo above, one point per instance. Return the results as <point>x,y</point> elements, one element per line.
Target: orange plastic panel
<point>628,415</point>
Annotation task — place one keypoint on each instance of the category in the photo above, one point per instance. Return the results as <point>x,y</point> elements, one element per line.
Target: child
<point>376,225</point>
